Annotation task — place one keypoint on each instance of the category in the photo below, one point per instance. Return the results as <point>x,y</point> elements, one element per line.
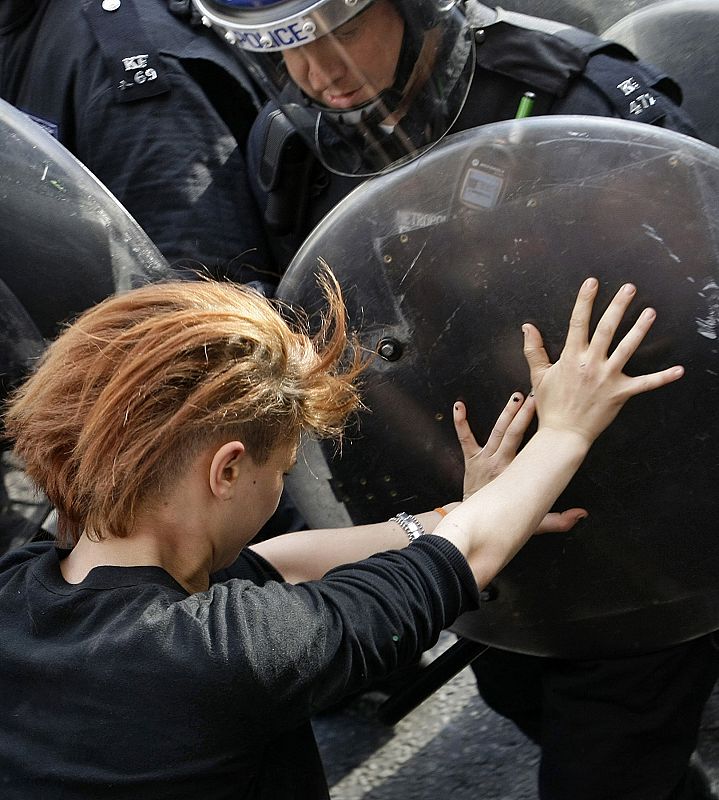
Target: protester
<point>159,656</point>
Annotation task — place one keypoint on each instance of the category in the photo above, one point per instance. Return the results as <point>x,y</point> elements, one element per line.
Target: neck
<point>188,530</point>
<point>151,544</point>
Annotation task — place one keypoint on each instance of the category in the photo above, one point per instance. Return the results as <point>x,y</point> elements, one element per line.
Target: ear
<point>225,469</point>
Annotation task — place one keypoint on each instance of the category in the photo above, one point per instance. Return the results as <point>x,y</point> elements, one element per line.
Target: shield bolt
<point>389,349</point>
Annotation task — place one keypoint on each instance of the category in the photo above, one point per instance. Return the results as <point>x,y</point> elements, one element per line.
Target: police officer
<point>363,86</point>
<point>155,107</point>
<point>342,110</point>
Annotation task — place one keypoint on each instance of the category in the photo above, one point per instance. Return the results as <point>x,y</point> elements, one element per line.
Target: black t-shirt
<point>126,686</point>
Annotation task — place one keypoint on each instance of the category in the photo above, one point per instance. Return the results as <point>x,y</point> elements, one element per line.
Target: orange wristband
<point>441,511</point>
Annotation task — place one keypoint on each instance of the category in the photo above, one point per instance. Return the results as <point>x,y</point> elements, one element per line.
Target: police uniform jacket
<point>157,109</point>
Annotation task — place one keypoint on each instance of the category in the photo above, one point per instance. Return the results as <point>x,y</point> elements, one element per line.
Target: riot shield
<point>65,244</point>
<point>589,15</point>
<point>440,263</point>
<point>682,38</point>
<point>22,510</point>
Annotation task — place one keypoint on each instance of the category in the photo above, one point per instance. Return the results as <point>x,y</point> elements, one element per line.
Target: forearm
<point>488,528</point>
<point>493,524</point>
<point>308,555</point>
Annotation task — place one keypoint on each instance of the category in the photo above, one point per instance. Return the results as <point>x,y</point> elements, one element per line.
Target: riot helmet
<point>368,84</point>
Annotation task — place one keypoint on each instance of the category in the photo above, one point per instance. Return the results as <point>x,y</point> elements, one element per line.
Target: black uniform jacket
<point>158,109</point>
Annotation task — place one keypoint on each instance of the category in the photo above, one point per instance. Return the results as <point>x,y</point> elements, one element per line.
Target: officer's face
<point>354,63</point>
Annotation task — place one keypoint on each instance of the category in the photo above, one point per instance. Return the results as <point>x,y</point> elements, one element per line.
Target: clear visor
<point>367,94</point>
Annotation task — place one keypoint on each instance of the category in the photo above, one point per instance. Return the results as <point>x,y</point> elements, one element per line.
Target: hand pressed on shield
<point>577,398</point>
<point>484,464</point>
<point>585,389</point>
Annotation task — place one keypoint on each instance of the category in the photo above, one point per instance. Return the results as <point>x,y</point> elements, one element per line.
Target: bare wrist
<point>569,441</point>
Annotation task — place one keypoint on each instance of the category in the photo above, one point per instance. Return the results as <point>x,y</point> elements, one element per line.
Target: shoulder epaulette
<point>131,58</point>
<point>635,90</point>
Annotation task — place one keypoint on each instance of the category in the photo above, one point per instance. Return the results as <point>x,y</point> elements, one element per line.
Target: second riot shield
<point>66,241</point>
<point>680,37</point>
<point>66,244</point>
<point>441,262</point>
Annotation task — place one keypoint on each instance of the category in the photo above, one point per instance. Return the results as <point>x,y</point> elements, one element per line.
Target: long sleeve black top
<point>126,686</point>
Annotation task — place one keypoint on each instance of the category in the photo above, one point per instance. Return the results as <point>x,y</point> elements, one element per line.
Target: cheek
<point>391,54</point>
<point>273,497</point>
<point>296,67</point>
<point>389,69</point>
<point>379,64</point>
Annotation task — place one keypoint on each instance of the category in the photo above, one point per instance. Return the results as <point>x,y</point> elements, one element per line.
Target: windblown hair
<point>131,392</point>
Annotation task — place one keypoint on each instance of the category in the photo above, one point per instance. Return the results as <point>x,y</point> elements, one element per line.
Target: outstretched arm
<point>308,555</point>
<point>577,398</point>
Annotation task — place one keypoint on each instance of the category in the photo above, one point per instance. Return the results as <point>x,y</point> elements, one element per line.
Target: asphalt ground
<point>450,746</point>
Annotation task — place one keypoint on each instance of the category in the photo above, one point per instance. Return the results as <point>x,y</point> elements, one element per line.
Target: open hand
<point>483,464</point>
<point>585,389</point>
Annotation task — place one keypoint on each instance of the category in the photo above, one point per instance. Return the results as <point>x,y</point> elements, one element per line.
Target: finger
<point>517,428</point>
<point>631,341</point>
<point>655,380</point>
<point>561,523</point>
<point>534,353</point>
<point>504,423</point>
<point>578,331</point>
<point>467,442</point>
<point>610,320</point>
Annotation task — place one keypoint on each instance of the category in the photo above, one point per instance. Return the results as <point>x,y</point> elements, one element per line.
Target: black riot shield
<point>682,38</point>
<point>22,510</point>
<point>441,262</point>
<point>66,243</point>
<point>587,14</point>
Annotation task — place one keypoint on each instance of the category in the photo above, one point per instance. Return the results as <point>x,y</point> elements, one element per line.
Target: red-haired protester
<point>158,656</point>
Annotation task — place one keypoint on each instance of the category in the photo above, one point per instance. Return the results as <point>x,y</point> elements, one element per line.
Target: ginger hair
<point>132,391</point>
